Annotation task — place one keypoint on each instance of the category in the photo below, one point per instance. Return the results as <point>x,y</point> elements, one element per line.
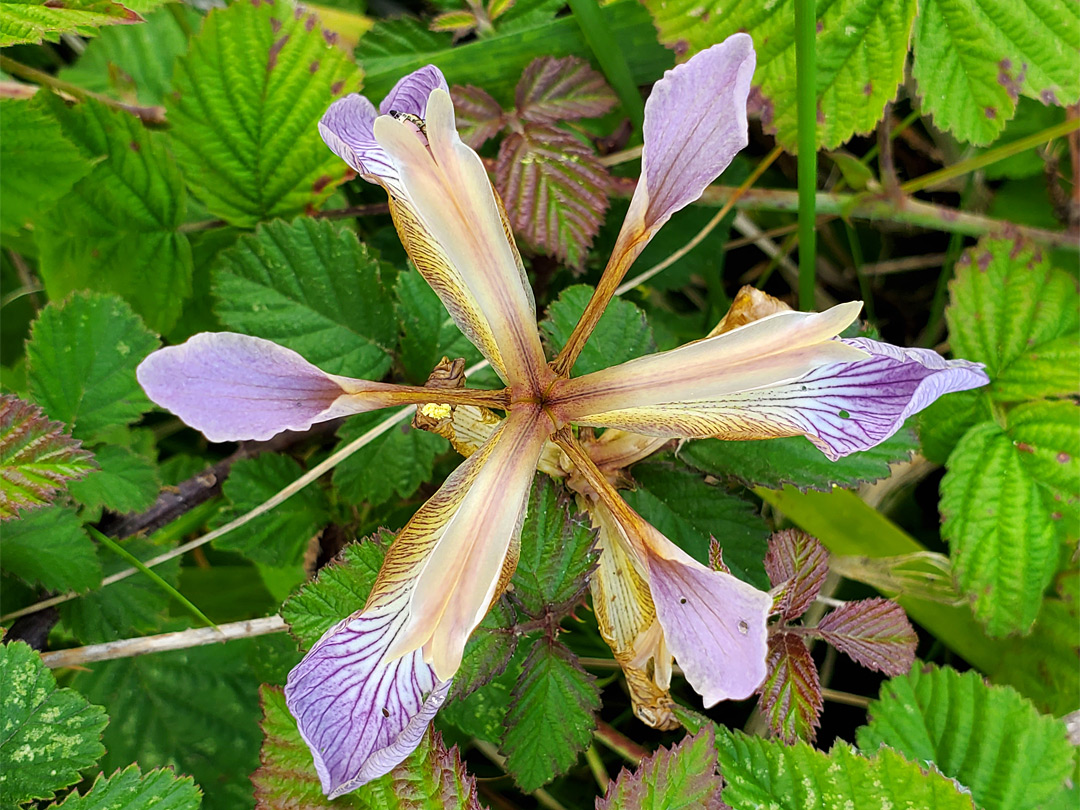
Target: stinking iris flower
<point>366,691</point>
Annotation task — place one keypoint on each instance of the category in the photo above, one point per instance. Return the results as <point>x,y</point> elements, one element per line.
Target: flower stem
<point>806,95</point>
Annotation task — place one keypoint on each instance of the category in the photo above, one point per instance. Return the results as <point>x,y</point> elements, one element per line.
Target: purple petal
<point>359,715</point>
<point>695,123</point>
<point>347,129</point>
<point>234,387</point>
<point>410,94</point>
<point>714,625</point>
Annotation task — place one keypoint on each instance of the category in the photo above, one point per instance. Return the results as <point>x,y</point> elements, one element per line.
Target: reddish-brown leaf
<point>799,563</point>
<point>553,90</point>
<point>874,632</point>
<point>791,695</point>
<point>479,116</point>
<point>555,190</point>
<point>716,556</point>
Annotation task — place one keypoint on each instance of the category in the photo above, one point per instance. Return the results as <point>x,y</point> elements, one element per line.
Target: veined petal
<point>410,94</point>
<point>360,714</point>
<point>780,347</point>
<point>234,387</point>
<point>454,228</point>
<point>461,572</point>
<point>695,123</point>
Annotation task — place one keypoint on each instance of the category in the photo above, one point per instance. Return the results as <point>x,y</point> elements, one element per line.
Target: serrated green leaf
<point>861,48</point>
<point>679,503</point>
<point>245,106</point>
<point>773,463</point>
<point>974,58</point>
<point>398,461</point>
<point>48,734</point>
<point>622,334</point>
<point>430,778</point>
<point>767,773</point>
<point>680,778</point>
<point>488,650</point>
<point>281,536</point>
<point>81,361</point>
<point>1047,434</point>
<point>1011,310</point>
<point>37,458</point>
<point>33,148</point>
<point>341,589</point>
<point>310,286</point>
<point>428,333</point>
<point>126,482</point>
<point>552,715</point>
<point>942,425</point>
<point>129,789</point>
<point>196,710</point>
<point>117,230</point>
<point>135,606</point>
<point>556,553</point>
<point>37,20</point>
<point>482,714</point>
<point>135,62</point>
<point>48,547</point>
<point>791,694</point>
<point>555,190</point>
<point>1003,539</point>
<point>988,738</point>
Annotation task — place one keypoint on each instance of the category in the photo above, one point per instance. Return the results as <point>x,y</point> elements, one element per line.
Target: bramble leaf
<point>988,738</point>
<point>92,388</point>
<point>680,503</point>
<point>1011,310</point>
<point>479,117</point>
<point>311,286</point>
<point>678,778</point>
<point>48,546</point>
<point>32,21</point>
<point>37,458</point>
<point>126,482</point>
<point>943,424</point>
<point>488,650</point>
<point>975,58</point>
<point>245,106</point>
<point>1002,535</point>
<point>1047,434</point>
<point>773,463</point>
<point>861,49</point>
<point>874,632</point>
<point>622,334</point>
<point>398,461</point>
<point>551,716</point>
<point>280,537</point>
<point>430,778</point>
<point>796,558</point>
<point>129,789</point>
<point>553,90</point>
<point>117,230</point>
<point>341,589</point>
<point>556,554</point>
<point>555,190</point>
<point>428,333</point>
<point>49,734</point>
<point>791,695</point>
<point>34,147</point>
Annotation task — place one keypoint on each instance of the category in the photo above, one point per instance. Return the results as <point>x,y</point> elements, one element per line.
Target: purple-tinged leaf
<point>799,563</point>
<point>874,632</point>
<point>791,695</point>
<point>716,557</point>
<point>479,116</point>
<point>681,776</point>
<point>36,457</point>
<point>555,190</point>
<point>553,90</point>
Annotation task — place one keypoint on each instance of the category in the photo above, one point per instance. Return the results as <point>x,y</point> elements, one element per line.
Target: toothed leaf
<point>791,695</point>
<point>553,90</point>
<point>874,632</point>
<point>796,558</point>
<point>682,777</point>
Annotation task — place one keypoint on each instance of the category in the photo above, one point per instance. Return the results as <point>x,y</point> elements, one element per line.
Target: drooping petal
<point>781,347</point>
<point>454,228</point>
<point>465,550</point>
<point>410,94</point>
<point>695,124</point>
<point>359,714</point>
<point>234,387</point>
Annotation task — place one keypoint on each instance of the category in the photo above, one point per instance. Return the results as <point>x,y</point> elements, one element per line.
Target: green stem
<point>806,97</point>
<point>122,552</point>
<point>857,262</point>
<point>612,61</point>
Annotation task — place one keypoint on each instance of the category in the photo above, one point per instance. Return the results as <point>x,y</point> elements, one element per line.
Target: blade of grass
<point>806,95</point>
<point>610,57</point>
